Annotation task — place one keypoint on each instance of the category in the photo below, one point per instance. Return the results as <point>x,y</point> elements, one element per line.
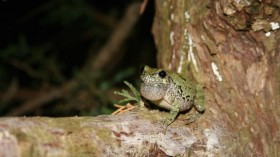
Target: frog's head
<point>155,83</point>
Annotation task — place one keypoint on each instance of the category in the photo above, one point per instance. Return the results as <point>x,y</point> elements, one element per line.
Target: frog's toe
<point>143,108</point>
<point>162,122</point>
<point>165,121</point>
<point>200,108</point>
<point>192,117</point>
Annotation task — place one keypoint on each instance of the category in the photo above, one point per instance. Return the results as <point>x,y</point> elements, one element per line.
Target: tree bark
<point>231,47</point>
<point>136,133</point>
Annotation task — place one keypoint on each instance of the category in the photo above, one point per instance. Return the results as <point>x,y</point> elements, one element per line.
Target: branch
<point>133,134</point>
<point>110,50</point>
<point>42,99</point>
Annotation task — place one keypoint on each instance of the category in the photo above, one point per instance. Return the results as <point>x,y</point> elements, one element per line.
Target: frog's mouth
<point>142,78</point>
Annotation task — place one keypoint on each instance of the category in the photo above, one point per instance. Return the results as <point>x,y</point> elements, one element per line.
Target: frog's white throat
<point>152,92</point>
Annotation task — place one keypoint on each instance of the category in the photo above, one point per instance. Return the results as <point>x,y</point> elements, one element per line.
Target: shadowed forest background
<point>47,45</point>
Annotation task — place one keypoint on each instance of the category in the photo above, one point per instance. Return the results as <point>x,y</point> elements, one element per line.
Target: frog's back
<point>183,90</point>
<point>185,82</point>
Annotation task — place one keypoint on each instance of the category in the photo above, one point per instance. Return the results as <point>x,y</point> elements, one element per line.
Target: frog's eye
<point>162,74</point>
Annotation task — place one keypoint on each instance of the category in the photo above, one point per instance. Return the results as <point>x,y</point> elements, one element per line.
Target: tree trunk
<point>231,47</point>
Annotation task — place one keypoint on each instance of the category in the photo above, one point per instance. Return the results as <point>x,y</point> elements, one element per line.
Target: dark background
<point>45,44</point>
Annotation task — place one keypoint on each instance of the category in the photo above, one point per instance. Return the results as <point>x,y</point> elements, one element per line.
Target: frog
<point>172,92</point>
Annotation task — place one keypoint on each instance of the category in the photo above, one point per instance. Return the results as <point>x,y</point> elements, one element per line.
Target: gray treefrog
<point>171,91</point>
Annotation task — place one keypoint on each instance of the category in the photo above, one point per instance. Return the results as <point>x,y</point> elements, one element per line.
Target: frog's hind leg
<point>199,102</point>
<point>199,105</point>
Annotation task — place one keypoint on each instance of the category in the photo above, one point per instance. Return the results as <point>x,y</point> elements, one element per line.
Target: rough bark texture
<point>130,134</point>
<point>232,47</point>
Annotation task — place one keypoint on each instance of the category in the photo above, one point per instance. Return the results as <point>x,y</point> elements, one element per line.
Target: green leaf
<point>127,97</point>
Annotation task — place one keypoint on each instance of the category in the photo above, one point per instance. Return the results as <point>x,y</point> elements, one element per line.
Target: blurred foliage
<point>35,62</point>
<point>46,44</point>
<point>127,96</point>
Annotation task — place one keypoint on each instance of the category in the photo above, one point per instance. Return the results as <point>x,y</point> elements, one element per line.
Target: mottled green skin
<point>172,92</point>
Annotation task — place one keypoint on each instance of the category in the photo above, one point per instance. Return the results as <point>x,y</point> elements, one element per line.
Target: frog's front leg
<point>174,111</point>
